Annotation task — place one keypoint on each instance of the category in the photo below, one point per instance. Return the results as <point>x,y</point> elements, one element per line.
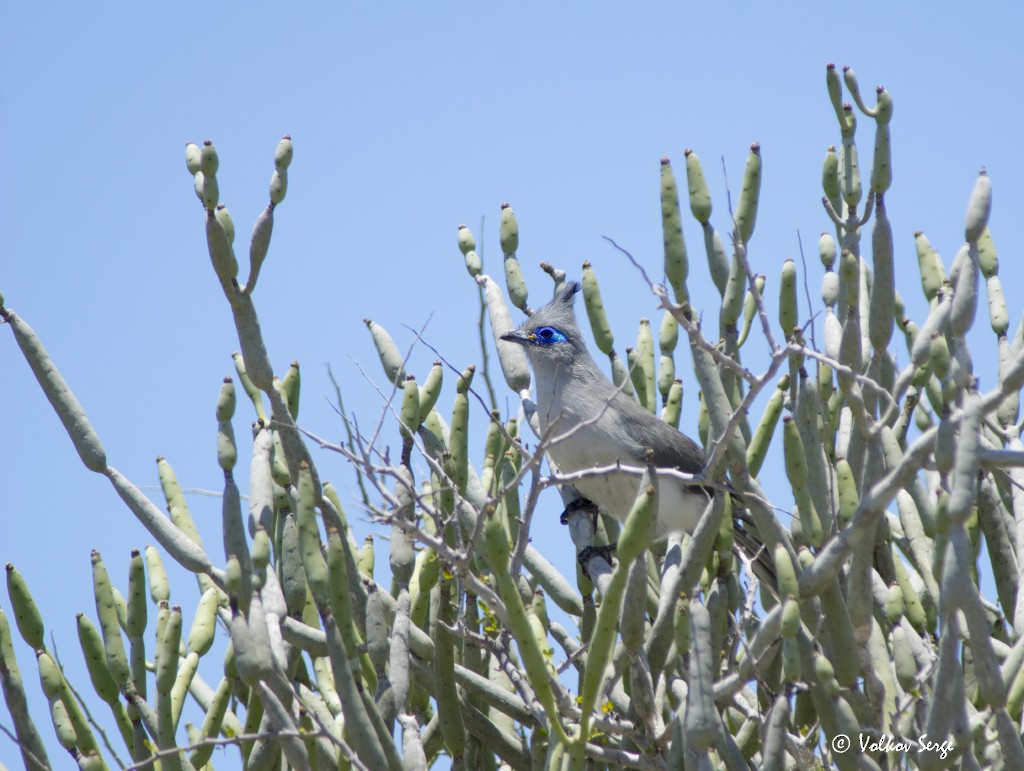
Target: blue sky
<point>407,120</point>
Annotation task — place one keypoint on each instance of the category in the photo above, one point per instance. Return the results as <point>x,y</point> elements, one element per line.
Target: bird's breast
<point>591,446</point>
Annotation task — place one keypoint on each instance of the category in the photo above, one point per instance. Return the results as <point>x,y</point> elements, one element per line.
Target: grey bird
<point>602,426</point>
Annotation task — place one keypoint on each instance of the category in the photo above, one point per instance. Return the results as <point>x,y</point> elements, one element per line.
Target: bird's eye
<point>549,335</point>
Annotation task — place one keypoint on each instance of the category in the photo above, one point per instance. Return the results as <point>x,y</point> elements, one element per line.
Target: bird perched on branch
<point>596,425</point>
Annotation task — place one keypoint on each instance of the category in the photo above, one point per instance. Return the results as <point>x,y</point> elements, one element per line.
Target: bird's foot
<point>587,553</point>
<point>579,504</point>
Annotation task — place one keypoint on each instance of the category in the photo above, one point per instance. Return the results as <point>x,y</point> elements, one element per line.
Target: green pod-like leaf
<point>378,641</point>
<point>459,430</point>
<point>209,162</point>
<point>309,539</point>
<point>224,218</point>
<point>430,390</point>
<point>259,245</point>
<point>261,481</point>
<point>830,180</point>
<point>510,355</point>
<point>796,460</point>
<point>290,387</point>
<point>620,374</point>
<point>366,559</point>
<point>30,742</point>
<point>166,652</point>
<point>234,536</point>
<point>212,723</point>
<point>96,660</point>
<point>409,412</point>
<point>283,153</point>
<point>63,401</point>
<point>773,753</point>
<point>159,586</point>
<point>792,671</point>
<point>894,606</point>
<point>700,720</point>
<point>761,439</point>
<point>641,524</point>
<point>290,567</point>
<point>1009,410</point>
<point>204,624</point>
<point>785,573</point>
<point>700,198</point>
<point>883,288</point>
<point>208,189</point>
<point>668,333</point>
<point>645,359</point>
<point>247,385</point>
<point>341,603</point>
<point>718,259</point>
<point>988,258</point>
<point>788,313</point>
<point>750,308</point>
<point>666,376</point>
<point>825,675</point>
<point>827,250</point>
<point>62,725</point>
<point>935,324</point>
<point>849,165</point>
<point>998,315</point>
<point>106,610</point>
<point>448,711</point>
<point>634,607</point>
<point>508,235</point>
<point>965,294</point>
<point>280,475</point>
<point>56,688</point>
<point>790,617</point>
<point>750,193</point>
<point>177,506</point>
<point>401,552</point>
<point>883,105</point>
<point>930,264</point>
<point>601,639</point>
<point>193,158</point>
<point>846,489</point>
<point>278,187</point>
<point>835,90</point>
<point>599,325</point>
<point>227,451</point>
<point>978,208</point>
<point>672,410</point>
<point>509,239</point>
<point>732,298</point>
<point>676,262</point>
<point>637,376</point>
<point>250,339</point>
<point>390,358</point>
<point>136,617</point>
<point>881,167</point>
<point>467,245</point>
<point>26,612</point>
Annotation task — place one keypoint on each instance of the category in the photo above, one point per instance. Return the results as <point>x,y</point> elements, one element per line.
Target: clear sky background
<point>408,119</point>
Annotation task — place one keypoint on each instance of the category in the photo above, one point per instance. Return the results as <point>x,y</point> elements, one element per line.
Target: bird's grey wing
<point>641,430</point>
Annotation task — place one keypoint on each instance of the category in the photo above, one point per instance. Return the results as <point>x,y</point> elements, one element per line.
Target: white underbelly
<point>678,508</point>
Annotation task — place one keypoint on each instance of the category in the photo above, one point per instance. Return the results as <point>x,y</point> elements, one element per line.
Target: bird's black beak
<point>515,336</point>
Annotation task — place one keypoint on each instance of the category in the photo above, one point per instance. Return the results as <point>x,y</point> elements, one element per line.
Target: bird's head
<point>551,334</point>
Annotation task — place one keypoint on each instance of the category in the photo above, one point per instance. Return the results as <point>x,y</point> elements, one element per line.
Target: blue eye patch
<point>549,335</point>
